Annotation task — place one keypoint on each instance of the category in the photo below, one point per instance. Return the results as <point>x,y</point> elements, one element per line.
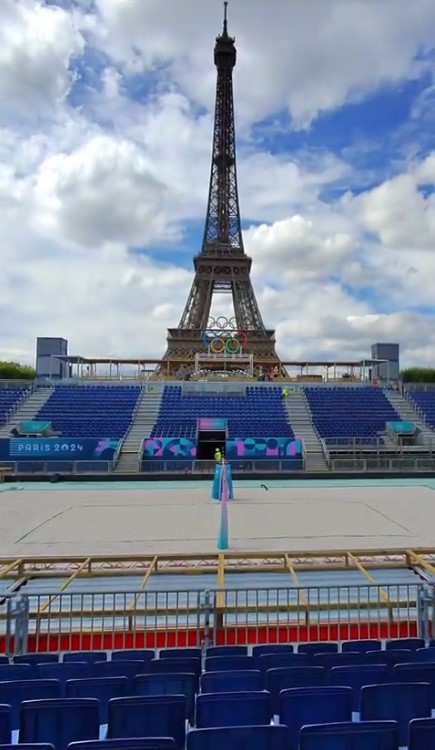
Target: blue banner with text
<point>53,448</point>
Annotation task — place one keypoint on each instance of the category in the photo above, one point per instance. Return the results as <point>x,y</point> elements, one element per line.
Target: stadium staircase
<point>407,413</point>
<point>142,425</point>
<point>28,409</point>
<point>299,417</point>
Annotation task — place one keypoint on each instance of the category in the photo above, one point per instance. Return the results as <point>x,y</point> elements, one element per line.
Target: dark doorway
<point>207,444</point>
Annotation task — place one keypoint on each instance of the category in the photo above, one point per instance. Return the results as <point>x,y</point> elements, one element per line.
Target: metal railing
<point>183,466</point>
<point>60,621</point>
<point>381,463</point>
<point>58,467</point>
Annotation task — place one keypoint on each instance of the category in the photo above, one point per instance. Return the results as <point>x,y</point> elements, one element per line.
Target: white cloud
<point>79,187</point>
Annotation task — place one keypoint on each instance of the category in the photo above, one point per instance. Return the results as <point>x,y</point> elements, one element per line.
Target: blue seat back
<point>16,672</point>
<point>134,654</point>
<point>278,661</point>
<point>356,677</point>
<point>292,677</point>
<point>233,709</point>
<point>313,705</point>
<point>400,701</point>
<point>148,716</point>
<point>169,684</point>
<point>227,651</point>
<point>390,658</point>
<point>318,647</point>
<point>143,743</point>
<point>365,735</point>
<point>5,723</point>
<point>15,692</point>
<point>90,657</point>
<point>231,682</point>
<point>421,734</point>
<point>4,660</point>
<point>422,654</point>
<point>233,663</point>
<point>337,660</point>
<point>180,653</point>
<point>122,668</point>
<point>64,671</point>
<point>59,721</point>
<point>28,746</point>
<point>175,666</point>
<point>407,643</point>
<point>421,672</point>
<point>101,688</point>
<point>34,659</point>
<point>371,644</point>
<point>239,738</point>
<point>271,648</point>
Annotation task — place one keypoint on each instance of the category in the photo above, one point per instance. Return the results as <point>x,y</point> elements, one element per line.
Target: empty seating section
<point>91,411</point>
<point>224,698</point>
<point>9,397</point>
<point>344,412</point>
<point>425,401</point>
<point>260,413</point>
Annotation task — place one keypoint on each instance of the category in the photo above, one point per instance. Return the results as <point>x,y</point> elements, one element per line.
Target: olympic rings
<point>215,343</point>
<point>222,336</point>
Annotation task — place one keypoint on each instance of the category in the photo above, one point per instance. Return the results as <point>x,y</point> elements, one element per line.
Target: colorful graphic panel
<point>263,448</point>
<point>51,449</point>
<point>212,424</point>
<point>169,448</point>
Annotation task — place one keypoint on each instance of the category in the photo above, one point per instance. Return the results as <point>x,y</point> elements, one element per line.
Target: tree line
<point>15,371</point>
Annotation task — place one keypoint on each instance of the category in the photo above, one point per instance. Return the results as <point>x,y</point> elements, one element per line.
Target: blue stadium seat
<point>10,397</point>
<point>101,688</point>
<point>313,705</point>
<point>15,692</point>
<point>390,657</point>
<point>148,716</point>
<point>424,400</point>
<point>239,738</point>
<point>421,672</point>
<point>5,723</point>
<point>90,657</point>
<point>337,660</point>
<point>189,665</point>
<point>34,659</point>
<point>271,648</point>
<point>28,746</point>
<point>233,709</point>
<point>227,651</point>
<point>365,735</point>
<point>169,684</point>
<point>142,743</point>
<point>134,654</point>
<point>122,668</point>
<point>63,671</point>
<point>411,644</point>
<point>421,734</point>
<point>292,677</point>
<point>422,654</point>
<point>400,701</point>
<point>16,672</point>
<point>59,721</point>
<point>4,660</point>
<point>276,661</point>
<point>231,682</point>
<point>180,653</point>
<point>317,647</point>
<point>356,676</point>
<point>363,646</point>
<point>232,663</point>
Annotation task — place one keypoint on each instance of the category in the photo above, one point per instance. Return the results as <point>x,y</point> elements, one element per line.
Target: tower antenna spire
<point>225,32</point>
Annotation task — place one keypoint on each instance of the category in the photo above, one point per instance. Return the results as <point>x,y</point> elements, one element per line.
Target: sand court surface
<point>148,518</point>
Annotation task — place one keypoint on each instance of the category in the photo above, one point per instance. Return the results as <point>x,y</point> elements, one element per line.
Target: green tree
<point>15,371</point>
<point>418,375</point>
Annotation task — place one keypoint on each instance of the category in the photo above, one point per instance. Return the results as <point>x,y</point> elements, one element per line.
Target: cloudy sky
<point>106,111</point>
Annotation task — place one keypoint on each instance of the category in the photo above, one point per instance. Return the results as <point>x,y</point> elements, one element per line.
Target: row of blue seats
<point>61,721</point>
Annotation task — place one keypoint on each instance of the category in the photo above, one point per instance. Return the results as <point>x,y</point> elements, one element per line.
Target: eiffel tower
<point>222,266</point>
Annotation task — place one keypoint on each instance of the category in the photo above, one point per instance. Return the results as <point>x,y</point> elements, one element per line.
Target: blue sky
<point>105,140</point>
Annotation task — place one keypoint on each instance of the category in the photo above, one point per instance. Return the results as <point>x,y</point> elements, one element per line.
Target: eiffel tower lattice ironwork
<point>222,266</point>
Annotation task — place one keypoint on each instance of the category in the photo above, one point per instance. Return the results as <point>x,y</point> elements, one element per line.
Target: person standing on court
<point>218,455</point>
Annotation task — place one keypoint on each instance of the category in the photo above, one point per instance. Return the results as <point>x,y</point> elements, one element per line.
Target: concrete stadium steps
<point>407,413</point>
<point>28,409</point>
<point>142,425</point>
<point>300,419</point>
